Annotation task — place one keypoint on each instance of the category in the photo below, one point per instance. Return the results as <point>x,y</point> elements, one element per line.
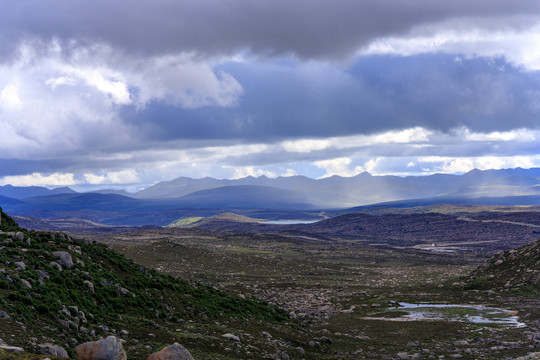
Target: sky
<point>124,94</point>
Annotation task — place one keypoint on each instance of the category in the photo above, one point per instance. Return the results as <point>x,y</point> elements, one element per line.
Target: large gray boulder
<point>65,258</point>
<point>172,352</point>
<point>54,350</point>
<point>105,349</point>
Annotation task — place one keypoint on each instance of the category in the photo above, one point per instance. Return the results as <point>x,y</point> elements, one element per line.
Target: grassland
<point>335,291</point>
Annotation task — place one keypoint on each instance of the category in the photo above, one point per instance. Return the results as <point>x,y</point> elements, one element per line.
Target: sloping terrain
<point>56,289</point>
<point>345,293</point>
<point>517,269</point>
<point>484,233</point>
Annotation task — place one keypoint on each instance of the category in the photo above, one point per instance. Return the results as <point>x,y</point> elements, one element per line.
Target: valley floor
<point>341,295</point>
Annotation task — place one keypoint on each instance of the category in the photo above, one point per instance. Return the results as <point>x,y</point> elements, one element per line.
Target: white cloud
<point>9,98</point>
<point>307,145</point>
<point>241,172</point>
<point>337,166</point>
<point>104,80</point>
<point>69,98</point>
<point>37,179</point>
<point>290,172</point>
<point>128,176</point>
<point>519,46</point>
<point>406,136</point>
<point>59,81</point>
<point>369,166</point>
<point>182,80</point>
<point>518,135</point>
<point>464,164</point>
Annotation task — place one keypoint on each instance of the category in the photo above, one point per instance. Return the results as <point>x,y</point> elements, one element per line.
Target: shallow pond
<point>475,314</point>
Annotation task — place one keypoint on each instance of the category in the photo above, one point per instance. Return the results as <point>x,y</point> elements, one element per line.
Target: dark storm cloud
<point>378,93</point>
<point>308,28</point>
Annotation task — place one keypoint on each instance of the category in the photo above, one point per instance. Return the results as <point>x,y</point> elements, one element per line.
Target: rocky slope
<point>59,290</point>
<point>512,269</point>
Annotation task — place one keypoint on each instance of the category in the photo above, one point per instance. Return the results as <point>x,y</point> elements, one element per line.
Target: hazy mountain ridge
<point>18,192</point>
<point>342,192</point>
<point>167,201</point>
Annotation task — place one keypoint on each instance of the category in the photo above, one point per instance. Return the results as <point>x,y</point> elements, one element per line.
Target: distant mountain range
<point>164,202</point>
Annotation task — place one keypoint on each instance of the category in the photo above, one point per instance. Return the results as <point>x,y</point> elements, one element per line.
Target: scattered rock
<point>172,352</point>
<point>65,258</point>
<point>89,284</point>
<point>55,265</point>
<point>11,348</point>
<point>105,349</point>
<point>54,350</point>
<point>42,274</point>
<point>231,336</point>
<point>4,315</point>
<point>20,265</point>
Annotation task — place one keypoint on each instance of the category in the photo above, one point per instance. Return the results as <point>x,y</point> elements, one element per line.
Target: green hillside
<point>57,289</point>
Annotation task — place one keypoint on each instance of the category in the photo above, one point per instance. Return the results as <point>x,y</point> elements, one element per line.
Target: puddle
<point>475,314</point>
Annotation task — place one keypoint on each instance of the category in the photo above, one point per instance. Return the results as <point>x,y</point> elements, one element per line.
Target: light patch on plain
<point>37,179</point>
<point>9,97</point>
<point>128,176</point>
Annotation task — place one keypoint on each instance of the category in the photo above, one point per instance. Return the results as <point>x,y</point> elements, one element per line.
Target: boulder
<point>54,350</point>
<point>89,284</point>
<point>65,258</point>
<point>172,352</point>
<point>42,274</point>
<point>11,348</point>
<point>105,349</point>
<point>231,337</point>
<point>55,265</point>
<point>4,315</point>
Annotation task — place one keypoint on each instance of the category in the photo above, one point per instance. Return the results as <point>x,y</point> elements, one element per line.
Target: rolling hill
<point>68,291</point>
<point>168,201</point>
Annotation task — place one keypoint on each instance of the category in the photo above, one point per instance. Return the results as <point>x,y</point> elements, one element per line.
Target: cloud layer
<point>130,93</point>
